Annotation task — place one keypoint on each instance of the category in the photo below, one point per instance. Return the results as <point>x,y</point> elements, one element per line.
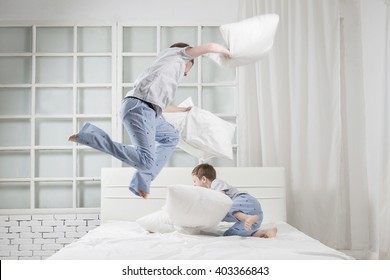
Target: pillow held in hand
<point>196,207</point>
<point>248,40</point>
<point>203,134</point>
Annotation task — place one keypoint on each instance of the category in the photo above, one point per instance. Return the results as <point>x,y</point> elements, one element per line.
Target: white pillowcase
<point>196,207</point>
<point>158,221</point>
<point>203,134</point>
<point>248,40</point>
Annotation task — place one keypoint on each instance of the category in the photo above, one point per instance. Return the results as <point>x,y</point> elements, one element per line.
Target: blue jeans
<point>153,142</point>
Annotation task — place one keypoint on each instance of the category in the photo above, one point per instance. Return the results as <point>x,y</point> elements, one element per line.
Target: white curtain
<point>304,108</point>
<point>384,178</point>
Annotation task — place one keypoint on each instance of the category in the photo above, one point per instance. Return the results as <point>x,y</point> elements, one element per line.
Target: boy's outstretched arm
<point>208,48</point>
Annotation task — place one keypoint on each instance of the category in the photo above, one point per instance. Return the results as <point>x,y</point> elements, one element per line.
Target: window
<point>53,79</point>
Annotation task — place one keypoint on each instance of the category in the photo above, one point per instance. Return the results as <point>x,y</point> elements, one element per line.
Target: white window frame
<point>117,94</point>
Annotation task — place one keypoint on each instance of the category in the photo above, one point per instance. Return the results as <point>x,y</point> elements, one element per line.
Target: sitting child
<point>245,212</point>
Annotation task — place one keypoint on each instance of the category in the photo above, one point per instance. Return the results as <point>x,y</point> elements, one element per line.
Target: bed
<point>121,237</point>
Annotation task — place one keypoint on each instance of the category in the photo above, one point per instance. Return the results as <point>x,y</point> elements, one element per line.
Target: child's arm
<point>208,48</point>
<point>175,109</point>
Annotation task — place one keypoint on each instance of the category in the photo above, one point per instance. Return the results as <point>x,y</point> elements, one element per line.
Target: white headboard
<point>267,184</point>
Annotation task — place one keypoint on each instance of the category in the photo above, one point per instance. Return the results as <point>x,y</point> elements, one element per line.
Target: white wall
<point>129,11</point>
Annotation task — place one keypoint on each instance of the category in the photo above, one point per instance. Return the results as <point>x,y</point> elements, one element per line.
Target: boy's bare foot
<point>250,220</point>
<point>266,233</point>
<point>143,194</point>
<point>72,138</point>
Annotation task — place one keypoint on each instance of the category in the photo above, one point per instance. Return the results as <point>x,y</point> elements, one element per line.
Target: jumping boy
<point>245,212</point>
<point>153,139</point>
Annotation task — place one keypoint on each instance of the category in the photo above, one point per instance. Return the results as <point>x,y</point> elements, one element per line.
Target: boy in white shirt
<point>153,139</point>
<point>246,211</point>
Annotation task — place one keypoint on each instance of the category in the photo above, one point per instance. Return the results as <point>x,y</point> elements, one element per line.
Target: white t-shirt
<point>158,83</point>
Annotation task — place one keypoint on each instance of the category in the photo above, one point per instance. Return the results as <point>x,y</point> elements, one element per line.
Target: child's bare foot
<point>143,194</point>
<point>266,233</point>
<point>72,138</point>
<point>250,220</point>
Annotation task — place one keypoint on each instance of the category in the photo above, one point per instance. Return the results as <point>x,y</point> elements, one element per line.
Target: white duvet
<point>119,240</point>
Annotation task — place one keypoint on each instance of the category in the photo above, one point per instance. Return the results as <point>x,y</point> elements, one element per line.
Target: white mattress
<point>119,240</point>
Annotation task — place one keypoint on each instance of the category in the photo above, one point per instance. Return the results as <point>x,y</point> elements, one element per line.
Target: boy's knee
<point>146,161</point>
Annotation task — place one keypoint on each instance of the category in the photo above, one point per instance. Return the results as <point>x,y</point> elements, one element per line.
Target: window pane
<point>213,73</point>
<point>14,164</point>
<point>54,70</point>
<point>54,101</point>
<point>88,194</point>
<point>53,164</point>
<point>15,132</point>
<point>90,163</point>
<point>55,39</point>
<point>171,35</point>
<point>212,34</point>
<point>15,39</point>
<point>53,195</point>
<point>94,39</point>
<point>94,101</point>
<point>140,39</point>
<point>14,195</point>
<point>94,70</point>
<point>15,101</point>
<point>53,132</point>
<point>15,70</point>
<point>219,99</point>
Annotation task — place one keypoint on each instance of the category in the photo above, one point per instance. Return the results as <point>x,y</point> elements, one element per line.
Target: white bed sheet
<point>119,240</point>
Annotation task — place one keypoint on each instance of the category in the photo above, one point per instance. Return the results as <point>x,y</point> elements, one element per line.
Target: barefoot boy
<point>246,210</point>
<point>153,139</point>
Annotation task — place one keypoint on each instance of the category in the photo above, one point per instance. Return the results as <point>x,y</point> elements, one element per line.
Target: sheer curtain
<point>304,108</point>
<point>384,193</point>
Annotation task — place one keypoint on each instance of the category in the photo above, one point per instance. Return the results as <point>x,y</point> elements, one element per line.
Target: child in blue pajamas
<point>153,139</point>
<point>245,212</point>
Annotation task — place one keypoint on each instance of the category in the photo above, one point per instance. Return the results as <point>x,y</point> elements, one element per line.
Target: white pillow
<point>248,40</point>
<point>206,132</point>
<point>158,221</point>
<point>196,207</point>
<point>203,134</point>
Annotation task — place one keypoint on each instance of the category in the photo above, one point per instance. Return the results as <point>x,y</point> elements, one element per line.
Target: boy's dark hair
<point>205,169</point>
<point>182,45</point>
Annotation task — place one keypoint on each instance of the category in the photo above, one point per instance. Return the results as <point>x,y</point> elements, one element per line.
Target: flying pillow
<point>248,40</point>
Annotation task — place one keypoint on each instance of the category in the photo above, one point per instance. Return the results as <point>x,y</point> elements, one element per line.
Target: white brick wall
<point>36,237</point>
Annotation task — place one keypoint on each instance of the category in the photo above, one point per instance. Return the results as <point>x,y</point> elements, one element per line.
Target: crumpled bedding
<point>119,240</point>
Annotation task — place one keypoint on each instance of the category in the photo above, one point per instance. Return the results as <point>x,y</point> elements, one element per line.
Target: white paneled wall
<point>36,237</point>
